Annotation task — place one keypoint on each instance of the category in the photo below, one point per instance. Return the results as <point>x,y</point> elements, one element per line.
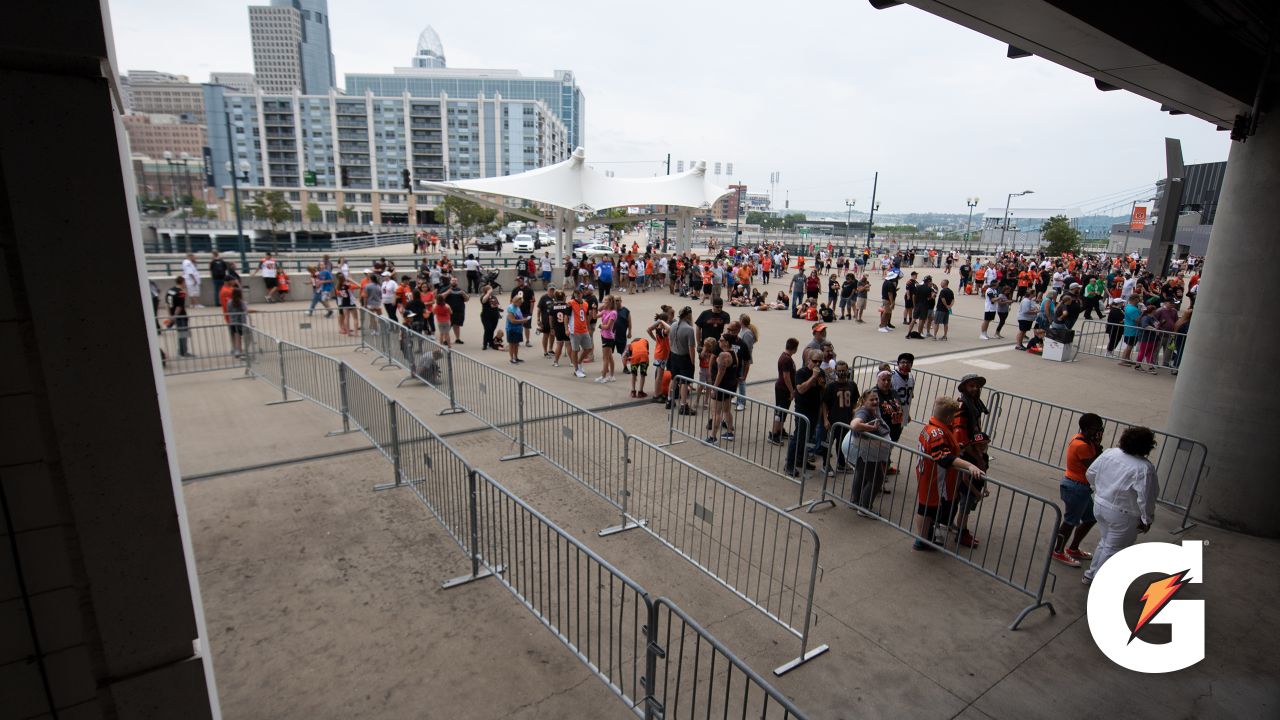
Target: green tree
<point>790,220</point>
<point>314,213</point>
<point>468,214</point>
<point>200,210</point>
<point>1059,237</point>
<point>347,213</point>
<point>273,208</point>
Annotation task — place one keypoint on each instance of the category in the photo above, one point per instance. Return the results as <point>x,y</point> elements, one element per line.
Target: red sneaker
<point>1079,554</point>
<point>641,394</point>
<point>633,393</point>
<point>967,539</point>
<point>1066,559</point>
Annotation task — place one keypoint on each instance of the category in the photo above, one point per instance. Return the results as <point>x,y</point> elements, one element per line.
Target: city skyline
<point>842,92</point>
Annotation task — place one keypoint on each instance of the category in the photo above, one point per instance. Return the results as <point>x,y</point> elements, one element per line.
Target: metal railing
<point>762,554</point>
<point>1102,339</point>
<point>1012,533</point>
<point>1040,431</point>
<point>189,348</point>
<point>758,551</point>
<point>751,427</point>
<point>299,327</point>
<point>651,654</point>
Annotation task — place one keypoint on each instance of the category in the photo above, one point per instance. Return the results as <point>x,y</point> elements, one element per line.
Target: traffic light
<point>406,179</point>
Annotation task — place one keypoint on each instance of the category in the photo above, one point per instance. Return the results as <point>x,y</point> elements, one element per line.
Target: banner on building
<point>207,152</point>
<point>1139,219</point>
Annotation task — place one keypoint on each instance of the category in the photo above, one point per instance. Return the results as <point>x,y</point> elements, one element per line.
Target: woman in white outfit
<point>1125,488</point>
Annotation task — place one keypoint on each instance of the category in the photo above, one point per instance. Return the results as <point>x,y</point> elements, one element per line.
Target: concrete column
<point>1227,383</point>
<point>90,471</point>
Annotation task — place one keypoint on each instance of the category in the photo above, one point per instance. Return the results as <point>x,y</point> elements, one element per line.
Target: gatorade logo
<point>1180,565</point>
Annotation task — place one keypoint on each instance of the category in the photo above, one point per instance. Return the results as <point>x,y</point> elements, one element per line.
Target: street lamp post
<point>871,221</point>
<point>848,218</point>
<point>972,203</point>
<point>173,185</point>
<point>1005,224</point>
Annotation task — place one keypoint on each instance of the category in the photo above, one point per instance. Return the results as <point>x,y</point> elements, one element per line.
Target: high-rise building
<point>343,151</point>
<point>430,51</point>
<point>291,48</point>
<point>560,92</point>
<point>237,81</point>
<point>149,91</point>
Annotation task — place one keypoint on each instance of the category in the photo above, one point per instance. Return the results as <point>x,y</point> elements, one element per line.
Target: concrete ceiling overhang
<point>1199,58</point>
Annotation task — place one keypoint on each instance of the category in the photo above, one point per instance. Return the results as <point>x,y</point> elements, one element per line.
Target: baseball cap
<point>819,327</point>
<point>980,437</point>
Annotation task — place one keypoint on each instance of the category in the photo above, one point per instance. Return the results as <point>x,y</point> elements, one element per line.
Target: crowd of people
<point>1049,295</point>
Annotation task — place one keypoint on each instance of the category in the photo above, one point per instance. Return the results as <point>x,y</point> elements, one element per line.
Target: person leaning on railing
<point>937,473</point>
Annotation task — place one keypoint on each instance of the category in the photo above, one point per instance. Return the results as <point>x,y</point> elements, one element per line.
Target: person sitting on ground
<point>826,314</point>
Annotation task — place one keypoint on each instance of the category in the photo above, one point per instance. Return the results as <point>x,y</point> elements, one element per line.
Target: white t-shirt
<point>389,287</point>
<point>471,264</point>
<point>990,304</point>
<point>662,265</point>
<point>545,265</point>
<point>1057,279</point>
<point>1129,285</point>
<point>268,268</point>
<point>189,270</point>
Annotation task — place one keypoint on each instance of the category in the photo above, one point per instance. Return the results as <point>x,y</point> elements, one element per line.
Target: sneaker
<point>1020,347</point>
<point>983,336</point>
<point>641,393</point>
<point>883,329</point>
<point>773,439</point>
<point>967,539</point>
<point>921,546</point>
<point>555,364</point>
<point>1079,554</point>
<point>1066,559</point>
<point>891,471</point>
<point>599,379</point>
<point>633,393</point>
<point>546,354</point>
<point>611,378</point>
<point>578,372</point>
<point>727,436</point>
<point>711,440</point>
<point>686,410</point>
<point>892,326</point>
<point>739,408</point>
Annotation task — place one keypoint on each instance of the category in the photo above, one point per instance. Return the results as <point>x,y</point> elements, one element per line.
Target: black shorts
<point>706,288</point>
<point>989,316</point>
<point>561,335</point>
<point>620,344</point>
<point>922,312</point>
<point>269,282</point>
<point>1024,325</point>
<point>679,365</point>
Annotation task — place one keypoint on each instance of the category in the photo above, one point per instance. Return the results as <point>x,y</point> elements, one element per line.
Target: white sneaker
<point>578,372</point>
<point>599,379</point>
<point>555,364</point>
<point>611,378</point>
<point>984,336</point>
<point>884,329</point>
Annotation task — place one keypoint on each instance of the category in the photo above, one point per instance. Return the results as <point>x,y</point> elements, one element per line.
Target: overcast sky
<point>826,94</point>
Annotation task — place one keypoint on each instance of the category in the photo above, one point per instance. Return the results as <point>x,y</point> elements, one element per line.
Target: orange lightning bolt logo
<point>1158,594</point>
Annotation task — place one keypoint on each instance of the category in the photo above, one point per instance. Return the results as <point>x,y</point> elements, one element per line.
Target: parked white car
<point>524,243</point>
<point>593,250</point>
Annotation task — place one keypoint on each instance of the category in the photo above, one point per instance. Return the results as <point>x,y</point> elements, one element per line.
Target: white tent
<point>574,188</point>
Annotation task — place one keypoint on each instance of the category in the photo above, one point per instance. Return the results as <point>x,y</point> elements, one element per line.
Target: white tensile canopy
<point>573,188</point>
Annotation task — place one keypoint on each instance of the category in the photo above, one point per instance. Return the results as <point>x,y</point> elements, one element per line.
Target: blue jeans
<point>1077,502</point>
<point>795,456</point>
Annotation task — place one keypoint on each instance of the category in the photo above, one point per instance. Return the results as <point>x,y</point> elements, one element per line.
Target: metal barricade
<point>489,394</point>
<point>262,357</point>
<point>293,326</point>
<point>694,675</point>
<point>587,447</point>
<point>1002,531</point>
<point>314,376</point>
<point>1102,339</point>
<point>188,348</point>
<point>927,386</point>
<point>751,428</point>
<point>758,551</point>
<point>1041,431</point>
<point>599,613</point>
<point>650,654</point>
